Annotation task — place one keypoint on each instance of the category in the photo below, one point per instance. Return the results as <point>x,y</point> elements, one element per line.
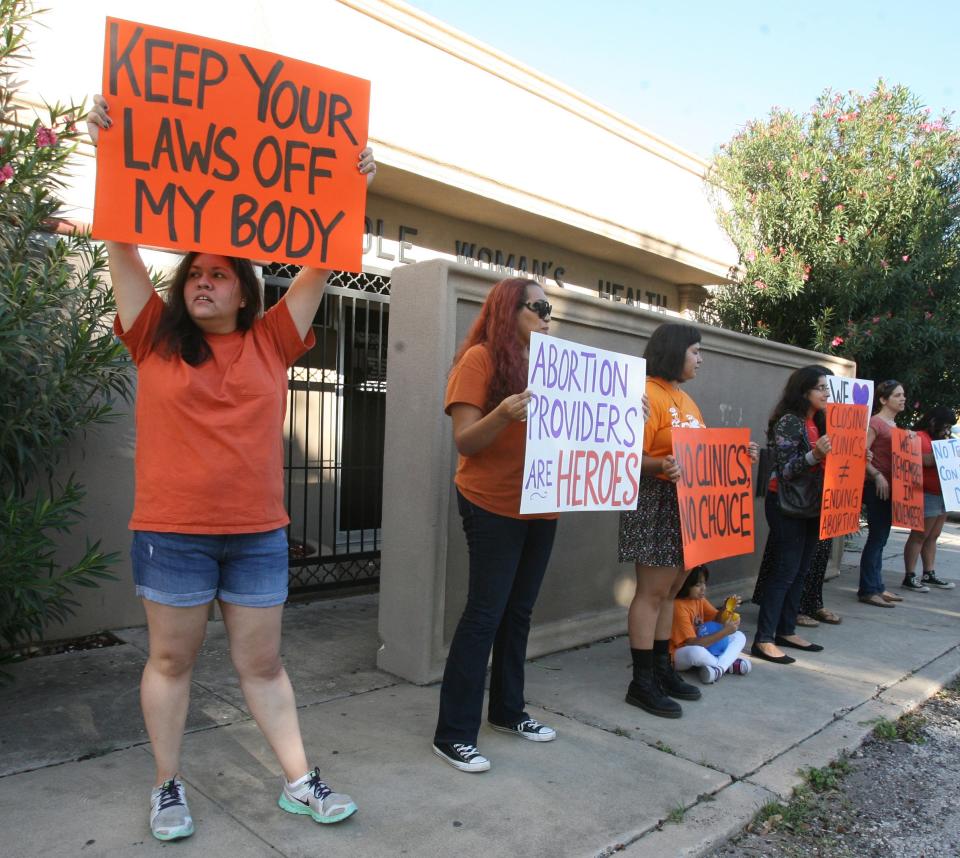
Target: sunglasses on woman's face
<point>542,308</point>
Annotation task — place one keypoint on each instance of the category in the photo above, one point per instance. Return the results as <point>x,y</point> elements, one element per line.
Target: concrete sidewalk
<point>75,770</point>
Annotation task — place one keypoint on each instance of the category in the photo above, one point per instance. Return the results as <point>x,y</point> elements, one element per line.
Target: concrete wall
<point>424,560</point>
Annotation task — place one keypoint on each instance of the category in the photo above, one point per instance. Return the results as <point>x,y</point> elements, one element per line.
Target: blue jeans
<point>188,569</point>
<point>879,519</point>
<point>795,540</point>
<point>508,558</point>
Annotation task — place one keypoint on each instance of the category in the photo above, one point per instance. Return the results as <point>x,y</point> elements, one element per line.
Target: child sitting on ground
<point>697,640</point>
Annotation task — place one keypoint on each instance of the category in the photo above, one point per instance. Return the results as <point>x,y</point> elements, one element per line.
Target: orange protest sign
<point>844,470</point>
<point>715,493</point>
<point>229,150</point>
<point>906,483</point>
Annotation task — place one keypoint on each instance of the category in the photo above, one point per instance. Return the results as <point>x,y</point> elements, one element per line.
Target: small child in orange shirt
<point>697,640</point>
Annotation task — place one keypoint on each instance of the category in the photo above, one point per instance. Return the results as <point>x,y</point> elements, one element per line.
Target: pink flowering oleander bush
<point>845,219</point>
<point>60,366</point>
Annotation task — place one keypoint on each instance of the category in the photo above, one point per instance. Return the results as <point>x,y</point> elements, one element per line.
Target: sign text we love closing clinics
<point>584,428</point>
<point>844,470</point>
<point>229,150</point>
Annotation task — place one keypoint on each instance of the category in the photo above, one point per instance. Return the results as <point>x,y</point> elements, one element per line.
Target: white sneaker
<point>310,795</point>
<point>710,674</point>
<point>169,815</point>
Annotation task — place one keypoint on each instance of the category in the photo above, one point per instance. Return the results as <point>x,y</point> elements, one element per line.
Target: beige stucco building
<point>483,162</point>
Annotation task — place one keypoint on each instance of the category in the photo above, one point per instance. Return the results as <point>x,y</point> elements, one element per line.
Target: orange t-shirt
<point>670,409</point>
<point>492,478</point>
<point>209,455</point>
<point>687,615</point>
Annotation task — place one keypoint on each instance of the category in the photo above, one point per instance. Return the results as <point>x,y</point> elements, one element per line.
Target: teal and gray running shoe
<point>312,796</point>
<point>169,815</point>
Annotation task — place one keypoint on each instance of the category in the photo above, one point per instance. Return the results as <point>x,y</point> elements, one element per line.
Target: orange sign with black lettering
<point>906,479</point>
<point>229,150</point>
<point>715,493</point>
<point>844,470</point>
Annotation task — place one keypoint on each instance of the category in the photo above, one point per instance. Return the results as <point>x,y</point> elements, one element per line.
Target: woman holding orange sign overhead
<point>209,519</point>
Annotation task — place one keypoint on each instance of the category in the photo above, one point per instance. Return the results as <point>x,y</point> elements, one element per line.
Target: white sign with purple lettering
<point>946,454</point>
<point>584,428</point>
<point>851,391</point>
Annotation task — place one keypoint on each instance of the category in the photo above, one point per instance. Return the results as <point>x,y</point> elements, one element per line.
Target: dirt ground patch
<point>895,797</point>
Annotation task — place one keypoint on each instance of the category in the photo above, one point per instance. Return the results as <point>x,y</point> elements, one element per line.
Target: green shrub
<point>60,366</point>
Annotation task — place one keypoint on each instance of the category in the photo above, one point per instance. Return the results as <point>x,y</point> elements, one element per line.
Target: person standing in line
<point>650,535</point>
<point>935,426</point>
<point>799,444</point>
<point>890,400</point>
<point>812,610</point>
<point>208,519</point>
<point>487,402</point>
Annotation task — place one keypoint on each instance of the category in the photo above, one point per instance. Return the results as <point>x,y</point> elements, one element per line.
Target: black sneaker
<point>932,579</point>
<point>911,583</point>
<point>646,693</point>
<point>530,729</point>
<point>671,681</point>
<point>461,756</point>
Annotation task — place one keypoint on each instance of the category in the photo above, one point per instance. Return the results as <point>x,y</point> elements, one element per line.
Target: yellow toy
<point>729,611</point>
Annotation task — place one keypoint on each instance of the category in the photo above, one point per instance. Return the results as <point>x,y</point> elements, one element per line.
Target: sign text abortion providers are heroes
<point>584,428</point>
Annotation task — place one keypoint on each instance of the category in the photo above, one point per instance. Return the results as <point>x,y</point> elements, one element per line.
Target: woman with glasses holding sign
<point>208,519</point>
<point>796,436</point>
<point>487,400</point>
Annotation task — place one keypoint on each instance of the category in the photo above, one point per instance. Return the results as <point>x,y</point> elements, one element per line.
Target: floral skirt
<point>650,534</point>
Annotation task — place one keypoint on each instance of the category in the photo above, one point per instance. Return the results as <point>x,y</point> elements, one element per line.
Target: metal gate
<point>334,434</point>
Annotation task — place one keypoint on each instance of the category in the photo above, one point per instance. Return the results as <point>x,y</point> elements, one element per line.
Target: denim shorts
<point>933,505</point>
<point>187,569</point>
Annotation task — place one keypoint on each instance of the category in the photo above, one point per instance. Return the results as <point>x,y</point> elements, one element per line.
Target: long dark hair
<point>666,350</point>
<point>794,400</point>
<point>937,421</point>
<point>496,328</point>
<point>177,335</point>
<point>884,390</point>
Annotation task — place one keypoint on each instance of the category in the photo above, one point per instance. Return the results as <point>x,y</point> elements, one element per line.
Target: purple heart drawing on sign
<point>861,394</point>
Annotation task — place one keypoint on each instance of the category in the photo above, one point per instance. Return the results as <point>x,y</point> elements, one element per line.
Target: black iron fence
<point>334,434</point>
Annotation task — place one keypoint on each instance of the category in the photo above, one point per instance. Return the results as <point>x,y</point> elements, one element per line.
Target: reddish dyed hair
<point>496,328</point>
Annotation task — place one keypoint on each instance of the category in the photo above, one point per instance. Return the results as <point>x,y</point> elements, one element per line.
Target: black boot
<point>646,693</point>
<point>670,681</point>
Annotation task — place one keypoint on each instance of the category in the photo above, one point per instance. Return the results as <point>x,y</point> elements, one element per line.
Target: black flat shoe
<point>807,648</point>
<point>776,659</point>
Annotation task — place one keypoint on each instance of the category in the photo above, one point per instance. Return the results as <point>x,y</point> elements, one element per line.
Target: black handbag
<point>800,497</point>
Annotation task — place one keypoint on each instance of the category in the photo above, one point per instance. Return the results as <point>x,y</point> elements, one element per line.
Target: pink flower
<point>836,341</point>
<point>875,319</point>
<point>839,207</point>
<point>751,255</point>
<point>928,315</point>
<point>6,173</point>
<point>916,163</point>
<point>905,257</point>
<point>46,137</point>
<point>759,284</point>
<point>804,175</point>
<point>884,264</point>
<point>869,332</point>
